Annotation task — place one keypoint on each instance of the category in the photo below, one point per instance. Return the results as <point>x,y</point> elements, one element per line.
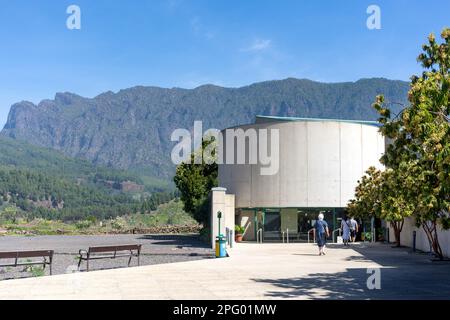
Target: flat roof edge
<point>368,122</point>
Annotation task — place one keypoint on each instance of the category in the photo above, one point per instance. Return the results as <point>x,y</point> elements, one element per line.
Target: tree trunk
<point>398,227</point>
<point>430,229</point>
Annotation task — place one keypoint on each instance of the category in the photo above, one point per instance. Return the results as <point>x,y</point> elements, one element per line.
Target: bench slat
<point>20,264</point>
<point>26,254</point>
<point>115,248</point>
<point>112,256</point>
<point>94,253</point>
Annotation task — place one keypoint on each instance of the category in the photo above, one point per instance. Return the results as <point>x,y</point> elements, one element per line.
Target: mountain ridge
<point>207,85</point>
<point>131,128</point>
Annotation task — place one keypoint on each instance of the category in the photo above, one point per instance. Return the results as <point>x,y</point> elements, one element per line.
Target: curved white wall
<point>320,164</point>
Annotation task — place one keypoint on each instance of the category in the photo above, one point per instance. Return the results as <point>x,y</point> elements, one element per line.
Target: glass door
<point>272,226</point>
<point>306,220</point>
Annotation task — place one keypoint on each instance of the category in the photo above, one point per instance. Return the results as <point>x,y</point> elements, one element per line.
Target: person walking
<point>353,229</point>
<point>345,227</point>
<point>322,232</point>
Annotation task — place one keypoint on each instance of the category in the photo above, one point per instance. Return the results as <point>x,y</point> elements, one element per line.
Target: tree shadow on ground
<point>352,285</point>
<point>343,285</point>
<point>192,241</point>
<point>384,254</point>
<point>403,275</point>
<point>357,258</point>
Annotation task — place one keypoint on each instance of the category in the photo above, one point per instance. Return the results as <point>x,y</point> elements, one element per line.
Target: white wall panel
<point>320,163</point>
<point>351,162</point>
<point>323,164</point>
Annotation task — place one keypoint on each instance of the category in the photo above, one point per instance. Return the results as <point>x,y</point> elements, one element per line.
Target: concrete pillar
<point>220,201</point>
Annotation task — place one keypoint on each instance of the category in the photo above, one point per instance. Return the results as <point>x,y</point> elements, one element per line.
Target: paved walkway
<point>268,271</point>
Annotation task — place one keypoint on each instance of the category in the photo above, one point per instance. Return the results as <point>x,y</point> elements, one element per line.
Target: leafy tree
<point>10,214</point>
<point>194,181</point>
<point>382,194</point>
<point>420,141</point>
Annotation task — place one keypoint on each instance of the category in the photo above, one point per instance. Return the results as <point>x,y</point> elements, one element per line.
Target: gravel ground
<point>156,249</point>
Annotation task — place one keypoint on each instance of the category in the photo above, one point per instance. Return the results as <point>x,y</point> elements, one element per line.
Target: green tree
<point>382,194</point>
<point>420,141</point>
<point>194,181</point>
<point>9,214</point>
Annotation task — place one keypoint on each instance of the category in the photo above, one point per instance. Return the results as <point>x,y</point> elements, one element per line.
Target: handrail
<point>314,234</point>
<point>259,236</point>
<point>334,231</point>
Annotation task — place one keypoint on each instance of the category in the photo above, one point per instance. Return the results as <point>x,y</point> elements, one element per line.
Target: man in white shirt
<point>353,229</point>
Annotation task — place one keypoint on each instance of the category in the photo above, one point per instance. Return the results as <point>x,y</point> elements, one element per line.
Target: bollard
<point>227,235</point>
<point>414,241</point>
<point>231,238</point>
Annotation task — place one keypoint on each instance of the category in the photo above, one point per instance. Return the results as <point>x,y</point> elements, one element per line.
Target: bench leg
<point>129,261</point>
<point>87,265</point>
<point>49,263</point>
<point>79,263</point>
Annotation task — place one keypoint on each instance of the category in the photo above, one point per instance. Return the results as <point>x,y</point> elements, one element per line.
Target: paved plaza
<point>255,271</point>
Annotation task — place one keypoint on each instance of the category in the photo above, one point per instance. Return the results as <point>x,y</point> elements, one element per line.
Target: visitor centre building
<point>319,164</point>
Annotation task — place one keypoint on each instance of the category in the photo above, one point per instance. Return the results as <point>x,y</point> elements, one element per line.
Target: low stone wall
<point>406,237</point>
<point>167,229</point>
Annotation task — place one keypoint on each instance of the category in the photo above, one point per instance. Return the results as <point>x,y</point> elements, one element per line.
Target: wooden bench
<point>47,256</point>
<point>110,252</point>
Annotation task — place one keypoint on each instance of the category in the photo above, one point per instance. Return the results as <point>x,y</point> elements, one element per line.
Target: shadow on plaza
<point>192,241</point>
<point>384,254</point>
<point>404,275</point>
<point>344,285</point>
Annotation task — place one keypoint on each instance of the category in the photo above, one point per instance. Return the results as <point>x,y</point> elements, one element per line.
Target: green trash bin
<point>221,246</point>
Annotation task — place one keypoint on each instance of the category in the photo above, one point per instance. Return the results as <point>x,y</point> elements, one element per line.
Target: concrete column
<point>220,201</point>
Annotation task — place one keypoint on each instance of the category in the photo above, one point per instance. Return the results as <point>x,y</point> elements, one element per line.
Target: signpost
<point>221,241</point>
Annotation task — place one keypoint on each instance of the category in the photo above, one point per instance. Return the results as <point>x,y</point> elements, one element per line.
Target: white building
<point>320,162</point>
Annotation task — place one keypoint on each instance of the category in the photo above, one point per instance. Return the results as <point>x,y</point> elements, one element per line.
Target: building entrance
<point>292,224</point>
<point>272,226</point>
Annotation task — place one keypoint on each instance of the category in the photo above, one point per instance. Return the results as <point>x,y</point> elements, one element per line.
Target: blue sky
<point>186,43</point>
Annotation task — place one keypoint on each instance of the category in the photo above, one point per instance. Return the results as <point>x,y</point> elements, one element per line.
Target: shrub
<point>83,224</point>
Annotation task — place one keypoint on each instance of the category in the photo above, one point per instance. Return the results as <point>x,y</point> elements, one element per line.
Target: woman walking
<point>346,228</point>
<point>322,233</point>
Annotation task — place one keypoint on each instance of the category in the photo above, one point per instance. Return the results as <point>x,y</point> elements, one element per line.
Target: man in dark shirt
<point>322,232</point>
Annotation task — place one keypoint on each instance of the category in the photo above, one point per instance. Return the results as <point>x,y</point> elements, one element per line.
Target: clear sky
<point>186,43</point>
